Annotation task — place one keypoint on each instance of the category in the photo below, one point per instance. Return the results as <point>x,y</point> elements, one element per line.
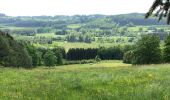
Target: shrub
<point>35,55</point>
<point>59,56</point>
<point>97,58</point>
<point>128,57</point>
<point>49,58</point>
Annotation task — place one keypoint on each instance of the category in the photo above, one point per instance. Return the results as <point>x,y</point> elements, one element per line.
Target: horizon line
<point>71,15</point>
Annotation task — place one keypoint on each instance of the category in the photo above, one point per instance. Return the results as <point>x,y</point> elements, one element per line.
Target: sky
<point>72,7</point>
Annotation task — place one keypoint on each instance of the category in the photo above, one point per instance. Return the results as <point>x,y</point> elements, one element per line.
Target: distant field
<point>68,45</point>
<point>17,28</point>
<point>137,28</point>
<point>46,34</point>
<point>74,26</point>
<point>108,80</point>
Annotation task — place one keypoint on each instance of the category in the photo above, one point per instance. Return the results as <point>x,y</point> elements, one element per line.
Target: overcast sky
<point>72,7</point>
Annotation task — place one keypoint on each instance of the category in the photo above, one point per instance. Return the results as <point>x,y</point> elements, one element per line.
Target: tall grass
<point>108,80</point>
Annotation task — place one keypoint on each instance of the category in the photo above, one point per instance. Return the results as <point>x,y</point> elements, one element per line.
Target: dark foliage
<point>58,53</point>
<point>112,53</point>
<point>163,10</point>
<point>49,59</point>
<point>167,50</point>
<point>35,54</point>
<point>81,53</point>
<point>12,53</point>
<point>39,55</point>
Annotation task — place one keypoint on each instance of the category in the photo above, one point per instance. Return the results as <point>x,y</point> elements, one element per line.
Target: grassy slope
<point>109,80</point>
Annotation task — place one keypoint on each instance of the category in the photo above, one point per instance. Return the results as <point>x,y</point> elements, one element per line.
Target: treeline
<point>46,56</point>
<point>148,51</point>
<point>56,56</point>
<point>19,54</point>
<point>111,53</point>
<point>81,53</point>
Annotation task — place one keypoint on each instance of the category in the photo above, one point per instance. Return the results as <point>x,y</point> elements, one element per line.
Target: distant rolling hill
<point>61,21</point>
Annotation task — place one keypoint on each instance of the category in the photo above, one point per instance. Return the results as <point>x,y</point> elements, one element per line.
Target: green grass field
<point>68,45</point>
<point>46,34</point>
<point>3,27</point>
<point>107,80</point>
<point>74,26</point>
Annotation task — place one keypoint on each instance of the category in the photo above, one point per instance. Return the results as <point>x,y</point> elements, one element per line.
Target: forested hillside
<point>84,20</point>
<point>84,28</point>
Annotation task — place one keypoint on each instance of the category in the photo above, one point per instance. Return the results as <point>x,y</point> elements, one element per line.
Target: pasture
<point>107,80</point>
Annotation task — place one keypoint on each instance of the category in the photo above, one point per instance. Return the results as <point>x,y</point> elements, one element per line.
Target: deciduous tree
<point>161,8</point>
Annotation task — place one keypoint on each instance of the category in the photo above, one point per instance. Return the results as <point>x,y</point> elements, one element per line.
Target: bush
<point>49,58</point>
<point>167,50</point>
<point>58,54</point>
<point>97,58</point>
<point>147,50</point>
<point>35,55</point>
<point>128,57</point>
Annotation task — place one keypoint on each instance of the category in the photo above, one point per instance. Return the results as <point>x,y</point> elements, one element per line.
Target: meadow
<point>68,45</point>
<point>106,80</point>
